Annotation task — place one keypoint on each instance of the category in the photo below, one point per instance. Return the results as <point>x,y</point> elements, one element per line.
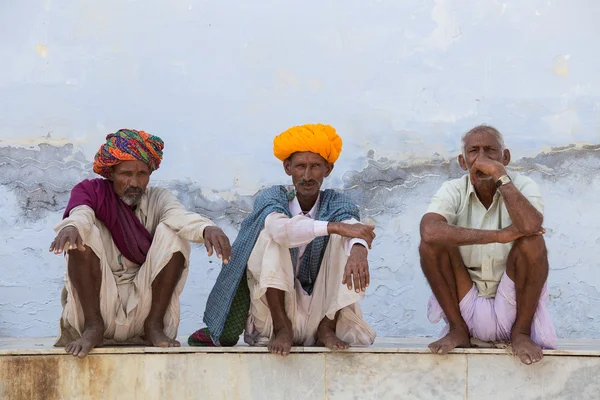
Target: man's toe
<point>525,359</point>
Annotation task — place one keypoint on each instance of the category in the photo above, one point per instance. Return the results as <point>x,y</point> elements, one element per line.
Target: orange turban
<point>128,145</point>
<point>316,138</point>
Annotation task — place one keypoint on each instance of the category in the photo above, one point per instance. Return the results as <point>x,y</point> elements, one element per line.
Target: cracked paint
<point>35,187</point>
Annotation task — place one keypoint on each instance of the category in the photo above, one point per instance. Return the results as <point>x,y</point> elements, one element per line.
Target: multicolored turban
<point>316,138</point>
<point>128,145</point>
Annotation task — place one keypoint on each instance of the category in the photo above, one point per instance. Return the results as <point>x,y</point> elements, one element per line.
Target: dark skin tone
<point>527,263</point>
<point>308,171</point>
<point>130,180</point>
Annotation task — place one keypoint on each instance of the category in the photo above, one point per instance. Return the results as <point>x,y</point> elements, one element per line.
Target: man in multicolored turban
<point>299,264</point>
<point>127,250</point>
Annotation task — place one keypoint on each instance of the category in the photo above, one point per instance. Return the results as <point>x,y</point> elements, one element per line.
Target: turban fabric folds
<point>316,138</point>
<point>128,145</point>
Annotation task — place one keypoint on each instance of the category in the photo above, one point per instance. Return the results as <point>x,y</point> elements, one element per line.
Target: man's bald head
<point>483,129</point>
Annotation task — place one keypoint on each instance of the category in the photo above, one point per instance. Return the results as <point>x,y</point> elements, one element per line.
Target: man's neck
<point>485,191</point>
<point>306,204</point>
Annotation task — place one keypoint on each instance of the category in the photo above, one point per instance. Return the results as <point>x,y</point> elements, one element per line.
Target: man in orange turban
<point>299,264</point>
<point>127,250</point>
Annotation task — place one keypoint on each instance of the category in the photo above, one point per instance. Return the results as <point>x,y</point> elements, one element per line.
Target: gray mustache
<point>134,191</point>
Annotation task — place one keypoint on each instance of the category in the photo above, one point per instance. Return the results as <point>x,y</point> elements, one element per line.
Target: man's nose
<point>481,153</point>
<point>306,175</point>
<point>133,182</point>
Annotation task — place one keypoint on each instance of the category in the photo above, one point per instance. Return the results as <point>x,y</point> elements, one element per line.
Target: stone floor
<point>394,368</point>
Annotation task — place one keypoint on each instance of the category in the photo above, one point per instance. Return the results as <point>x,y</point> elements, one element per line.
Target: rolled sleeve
<point>188,225</point>
<point>446,202</point>
<point>80,217</point>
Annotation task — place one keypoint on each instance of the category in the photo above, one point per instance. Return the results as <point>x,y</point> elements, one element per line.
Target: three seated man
<point>298,267</point>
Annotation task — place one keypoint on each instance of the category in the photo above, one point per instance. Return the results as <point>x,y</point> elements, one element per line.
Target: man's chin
<point>131,201</point>
<point>307,192</point>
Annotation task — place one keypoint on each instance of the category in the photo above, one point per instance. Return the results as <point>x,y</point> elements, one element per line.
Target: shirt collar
<point>295,208</point>
<point>471,190</point>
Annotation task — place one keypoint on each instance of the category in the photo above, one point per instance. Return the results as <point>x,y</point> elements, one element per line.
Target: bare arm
<point>526,218</point>
<point>436,230</point>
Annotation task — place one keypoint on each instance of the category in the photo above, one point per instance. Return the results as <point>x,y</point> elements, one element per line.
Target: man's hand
<point>355,231</point>
<point>487,166</point>
<point>511,233</point>
<point>357,269</point>
<point>215,238</point>
<point>67,239</point>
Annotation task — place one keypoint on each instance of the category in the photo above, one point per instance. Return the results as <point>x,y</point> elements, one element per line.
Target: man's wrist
<point>359,247</point>
<point>332,228</point>
<point>497,237</point>
<point>498,174</point>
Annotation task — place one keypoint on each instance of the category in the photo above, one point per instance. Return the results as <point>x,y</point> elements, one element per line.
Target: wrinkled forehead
<point>131,166</point>
<point>482,138</point>
<point>307,157</point>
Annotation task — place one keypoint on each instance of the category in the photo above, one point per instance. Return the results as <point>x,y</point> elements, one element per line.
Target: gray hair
<point>487,129</point>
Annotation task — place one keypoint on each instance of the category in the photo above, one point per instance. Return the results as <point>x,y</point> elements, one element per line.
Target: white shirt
<point>457,201</point>
<point>301,229</point>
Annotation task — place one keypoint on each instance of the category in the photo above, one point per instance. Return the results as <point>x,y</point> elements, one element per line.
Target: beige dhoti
<point>270,266</point>
<point>126,291</point>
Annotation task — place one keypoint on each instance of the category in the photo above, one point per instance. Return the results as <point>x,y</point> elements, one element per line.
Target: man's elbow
<point>427,233</point>
<point>531,227</point>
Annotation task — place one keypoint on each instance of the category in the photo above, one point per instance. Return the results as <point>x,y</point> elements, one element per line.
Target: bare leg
<point>283,334</point>
<point>326,334</point>
<point>162,291</point>
<point>527,266</point>
<point>85,275</point>
<point>450,282</point>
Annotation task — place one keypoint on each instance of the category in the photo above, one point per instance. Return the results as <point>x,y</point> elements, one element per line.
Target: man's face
<point>130,179</point>
<point>308,170</point>
<point>482,144</point>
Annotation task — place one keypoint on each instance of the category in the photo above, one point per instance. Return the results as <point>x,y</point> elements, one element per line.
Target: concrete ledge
<point>393,368</point>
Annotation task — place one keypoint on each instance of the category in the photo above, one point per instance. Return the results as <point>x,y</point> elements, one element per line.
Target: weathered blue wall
<point>400,80</point>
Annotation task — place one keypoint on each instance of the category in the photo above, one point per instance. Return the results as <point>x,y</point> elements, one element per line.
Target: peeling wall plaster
<point>401,81</point>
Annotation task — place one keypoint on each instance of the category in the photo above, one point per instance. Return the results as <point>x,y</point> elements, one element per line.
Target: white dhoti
<point>126,290</point>
<point>270,266</point>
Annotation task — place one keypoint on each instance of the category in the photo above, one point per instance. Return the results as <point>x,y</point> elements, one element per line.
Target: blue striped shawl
<point>333,207</point>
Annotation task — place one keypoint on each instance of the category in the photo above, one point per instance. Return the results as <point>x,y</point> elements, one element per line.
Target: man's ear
<point>111,174</point>
<point>506,157</point>
<point>329,167</point>
<point>287,166</point>
<point>462,162</point>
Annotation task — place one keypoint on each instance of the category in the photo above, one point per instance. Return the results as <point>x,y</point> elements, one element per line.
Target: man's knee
<point>428,250</point>
<point>178,259</point>
<point>531,247</point>
<point>87,255</point>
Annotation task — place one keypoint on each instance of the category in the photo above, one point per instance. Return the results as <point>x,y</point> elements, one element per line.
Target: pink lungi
<point>491,319</point>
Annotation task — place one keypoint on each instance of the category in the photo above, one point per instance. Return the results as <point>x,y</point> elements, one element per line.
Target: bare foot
<point>455,338</point>
<point>155,335</point>
<point>282,340</point>
<point>327,337</point>
<point>93,336</point>
<point>526,349</point>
